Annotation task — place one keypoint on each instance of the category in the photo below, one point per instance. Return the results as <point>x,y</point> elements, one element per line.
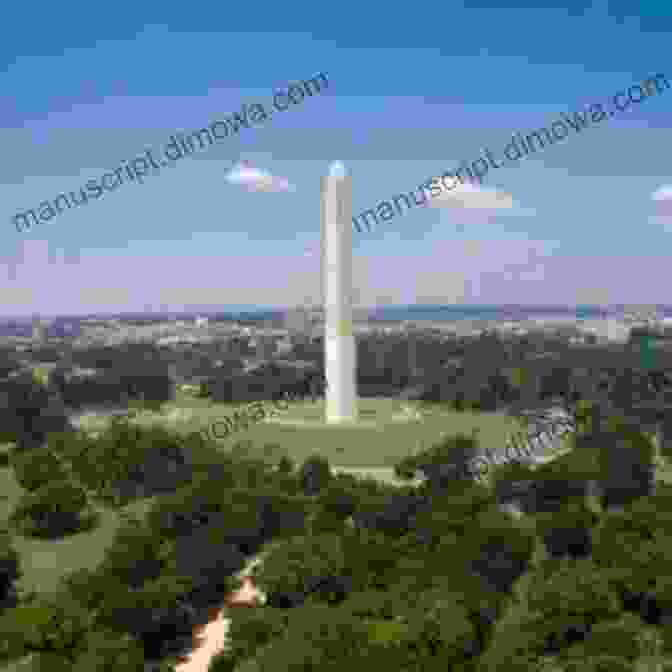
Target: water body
<point>412,313</point>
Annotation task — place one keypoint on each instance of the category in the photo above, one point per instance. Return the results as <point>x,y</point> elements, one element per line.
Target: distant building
<point>608,331</point>
<point>40,331</point>
<point>264,346</point>
<point>299,323</point>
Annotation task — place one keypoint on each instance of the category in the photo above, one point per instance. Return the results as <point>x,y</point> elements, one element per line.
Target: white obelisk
<point>339,341</point>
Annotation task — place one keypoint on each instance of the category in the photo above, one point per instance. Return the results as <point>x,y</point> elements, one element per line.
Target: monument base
<point>373,415</point>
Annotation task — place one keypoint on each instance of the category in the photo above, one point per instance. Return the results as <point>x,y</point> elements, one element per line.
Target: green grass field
<point>44,562</point>
<point>379,440</point>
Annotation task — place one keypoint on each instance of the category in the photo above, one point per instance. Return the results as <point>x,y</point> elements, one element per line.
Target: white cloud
<point>663,193</point>
<point>244,174</point>
<point>468,196</point>
<point>662,209</point>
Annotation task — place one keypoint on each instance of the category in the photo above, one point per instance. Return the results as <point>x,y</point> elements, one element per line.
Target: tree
<point>555,484</point>
<point>569,598</point>
<point>251,629</point>
<point>90,588</point>
<point>392,514</point>
<point>29,412</point>
<point>621,638</point>
<point>497,550</point>
<point>222,662</point>
<point>52,624</point>
<point>301,566</point>
<point>108,651</point>
<point>315,474</point>
<point>285,515</point>
<point>158,615</point>
<point>602,663</point>
<point>627,465</point>
<point>516,647</point>
<point>135,555</point>
<point>440,625</point>
<point>286,465</point>
<point>54,511</point>
<point>208,559</point>
<point>318,637</point>
<point>444,463</point>
<point>372,559</point>
<point>568,531</point>
<point>37,467</point>
<point>10,571</point>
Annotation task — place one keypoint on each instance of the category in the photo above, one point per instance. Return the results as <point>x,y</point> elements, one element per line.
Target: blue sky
<point>413,90</point>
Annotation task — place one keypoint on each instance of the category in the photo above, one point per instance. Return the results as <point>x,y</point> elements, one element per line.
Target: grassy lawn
<point>379,440</point>
<point>45,562</point>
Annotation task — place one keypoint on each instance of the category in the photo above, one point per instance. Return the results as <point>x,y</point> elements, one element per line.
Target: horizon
<point>234,310</point>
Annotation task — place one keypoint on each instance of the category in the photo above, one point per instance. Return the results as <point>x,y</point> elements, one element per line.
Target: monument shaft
<point>339,341</point>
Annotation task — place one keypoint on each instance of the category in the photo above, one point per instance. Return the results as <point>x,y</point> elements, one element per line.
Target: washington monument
<point>339,341</point>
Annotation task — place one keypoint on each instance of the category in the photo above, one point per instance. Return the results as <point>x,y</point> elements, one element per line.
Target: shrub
<point>511,481</point>
<point>286,465</point>
<point>497,550</point>
<point>239,516</point>
<point>208,560</point>
<point>339,499</point>
<point>567,532</point>
<point>108,651</point>
<point>222,662</point>
<point>318,637</point>
<point>440,625</point>
<point>570,597</point>
<point>632,548</point>
<point>90,588</point>
<point>9,571</point>
<point>53,511</point>
<point>300,566</point>
<point>621,638</point>
<point>315,474</point>
<point>53,624</point>
<point>252,629</point>
<point>198,504</point>
<point>627,465</point>
<point>157,615</point>
<point>28,412</point>
<point>555,485</point>
<point>4,456</point>
<point>127,461</point>
<point>453,511</point>
<point>443,463</point>
<point>285,515</point>
<point>37,467</point>
<point>134,555</point>
<point>516,647</point>
<point>393,514</point>
<point>602,663</point>
<point>49,661</point>
<point>371,558</point>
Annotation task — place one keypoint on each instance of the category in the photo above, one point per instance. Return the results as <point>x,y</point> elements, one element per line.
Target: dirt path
<point>212,638</point>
